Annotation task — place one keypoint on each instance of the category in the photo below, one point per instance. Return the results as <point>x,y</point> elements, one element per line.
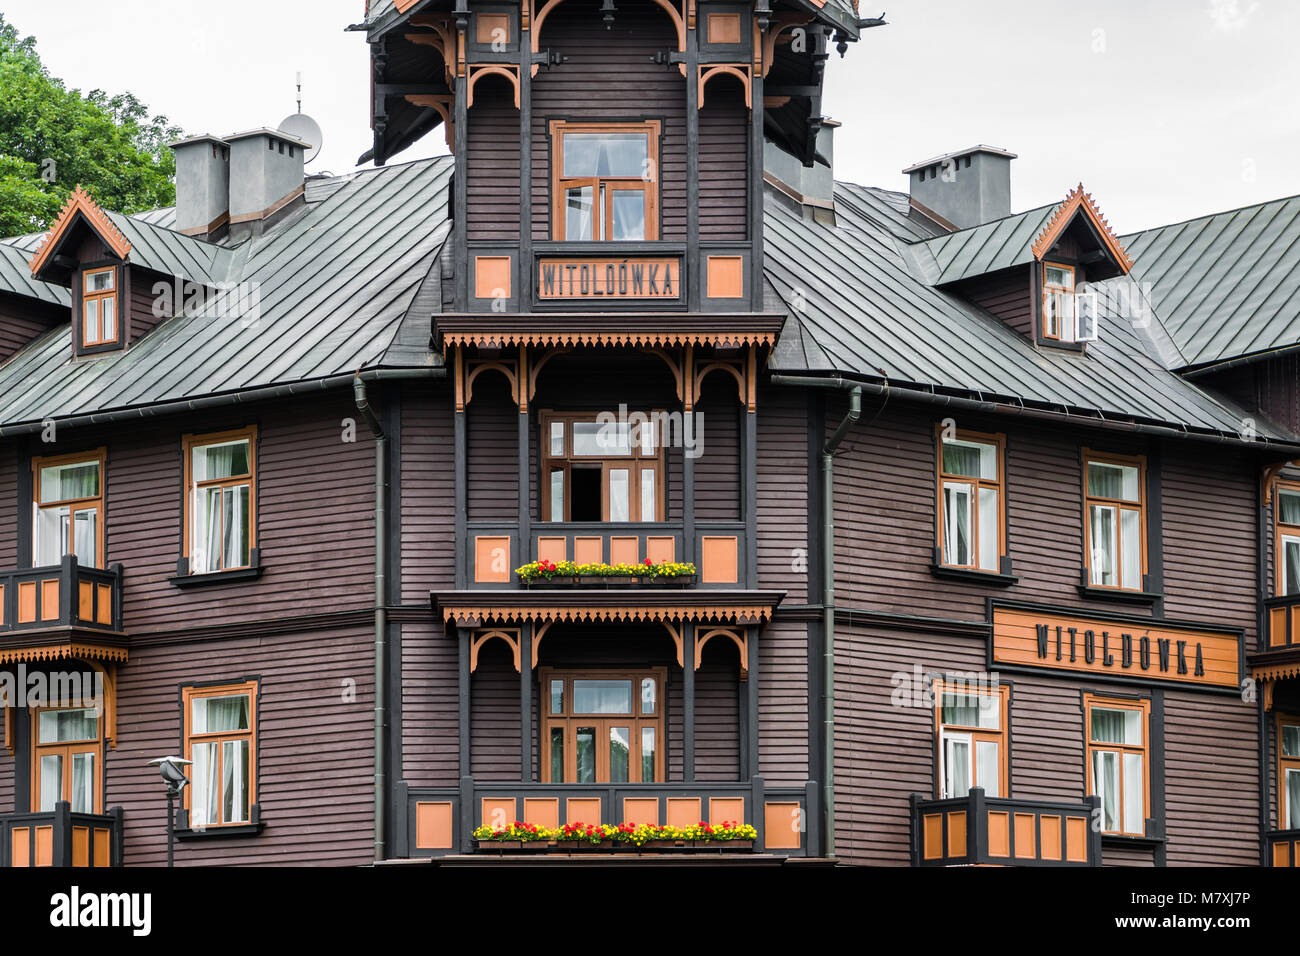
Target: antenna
<point>300,91</point>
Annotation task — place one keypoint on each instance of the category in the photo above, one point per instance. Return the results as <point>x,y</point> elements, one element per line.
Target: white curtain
<point>956,523</point>
<point>234,771</point>
<point>83,783</point>
<point>1103,544</point>
<point>51,781</point>
<point>1105,779</point>
<point>206,794</point>
<point>1293,799</point>
<point>988,767</point>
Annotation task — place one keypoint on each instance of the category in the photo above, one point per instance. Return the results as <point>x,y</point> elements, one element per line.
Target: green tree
<point>53,138</point>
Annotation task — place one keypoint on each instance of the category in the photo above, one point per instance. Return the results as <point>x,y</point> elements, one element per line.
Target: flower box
<point>665,845</point>
<point>724,844</point>
<point>669,581</point>
<point>498,844</point>
<point>619,580</point>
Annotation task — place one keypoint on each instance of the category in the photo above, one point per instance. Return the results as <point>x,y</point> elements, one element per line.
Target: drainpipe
<point>828,581</point>
<point>381,610</point>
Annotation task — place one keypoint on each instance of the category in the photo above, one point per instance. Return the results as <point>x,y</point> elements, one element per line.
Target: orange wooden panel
<point>433,827</point>
<point>1076,839</point>
<point>641,810</point>
<point>20,846</point>
<point>86,600</point>
<point>1295,625</point>
<point>726,277</point>
<point>589,550</point>
<point>50,599</point>
<point>722,809</point>
<point>102,851</point>
<point>932,839</point>
<point>624,549</point>
<point>1281,853</point>
<point>498,811</point>
<point>1025,833</point>
<point>81,846</point>
<point>26,602</point>
<point>781,826</point>
<point>45,846</point>
<point>492,558</point>
<point>492,27</point>
<point>1276,626</point>
<point>491,277</point>
<point>999,833</point>
<point>683,811</point>
<point>104,611</point>
<point>1050,837</point>
<point>719,560</point>
<point>554,549</point>
<point>582,810</point>
<point>660,548</point>
<point>957,833</point>
<point>724,27</point>
<point>542,811</point>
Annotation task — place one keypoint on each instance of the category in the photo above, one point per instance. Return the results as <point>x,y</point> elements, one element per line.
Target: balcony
<point>64,597</point>
<point>976,830</point>
<point>1283,614</point>
<point>440,822</point>
<point>62,838</point>
<point>1282,848</point>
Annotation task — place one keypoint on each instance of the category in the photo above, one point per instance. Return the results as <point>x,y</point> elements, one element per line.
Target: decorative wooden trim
<point>535,368</point>
<point>108,672</point>
<point>777,26</point>
<point>675,632</point>
<point>81,202</point>
<point>66,650</point>
<point>476,367</point>
<point>706,72</point>
<point>721,613</point>
<point>738,637</point>
<point>479,70</point>
<point>479,638</point>
<point>561,334</point>
<point>539,632</point>
<point>539,17</point>
<point>722,28</point>
<point>487,23</point>
<point>443,105</point>
<point>1078,201</point>
<point>443,39</point>
<point>1267,478</point>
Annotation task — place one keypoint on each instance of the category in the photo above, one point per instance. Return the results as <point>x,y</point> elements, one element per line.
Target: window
<point>221,740</point>
<point>67,753</point>
<point>601,471</point>
<point>602,726</point>
<point>1115,524</point>
<point>1286,520</point>
<point>605,181</point>
<point>971,533</point>
<point>1069,315</point>
<point>68,511</point>
<point>1118,768</point>
<point>220,501</point>
<point>99,306</point>
<point>1288,772</point>
<point>972,731</point>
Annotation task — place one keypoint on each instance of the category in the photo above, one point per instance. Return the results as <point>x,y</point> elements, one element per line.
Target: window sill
<point>1116,841</point>
<point>1115,594</point>
<point>184,579</point>
<point>212,833</point>
<point>991,578</point>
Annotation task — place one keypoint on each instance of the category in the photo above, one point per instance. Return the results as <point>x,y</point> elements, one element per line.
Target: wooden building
<point>622,467</point>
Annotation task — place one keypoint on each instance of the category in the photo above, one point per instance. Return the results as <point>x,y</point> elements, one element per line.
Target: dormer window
<point>605,181</point>
<point>1058,291</point>
<point>99,312</point>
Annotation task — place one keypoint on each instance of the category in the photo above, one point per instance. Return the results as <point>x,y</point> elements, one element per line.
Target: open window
<point>1115,523</point>
<point>603,726</point>
<point>68,511</point>
<point>605,181</point>
<point>220,500</point>
<point>1069,315</point>
<point>972,533</point>
<point>972,730</point>
<point>1119,764</point>
<point>220,732</point>
<point>595,470</point>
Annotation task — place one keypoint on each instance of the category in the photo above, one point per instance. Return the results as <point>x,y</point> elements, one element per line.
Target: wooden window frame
<point>1000,485</point>
<point>1281,528</point>
<point>1143,706</point>
<point>1048,289</point>
<point>98,455</point>
<point>602,722</point>
<point>189,442</point>
<point>601,212</point>
<point>635,463</point>
<point>1002,736</point>
<point>188,739</point>
<point>1284,764</point>
<point>108,294</point>
<point>67,749</point>
<point>1088,456</point>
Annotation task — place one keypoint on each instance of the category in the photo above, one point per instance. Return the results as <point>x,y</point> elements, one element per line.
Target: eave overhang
<point>622,605</point>
<point>80,208</point>
<point>62,644</point>
<point>1079,203</point>
<point>643,330</point>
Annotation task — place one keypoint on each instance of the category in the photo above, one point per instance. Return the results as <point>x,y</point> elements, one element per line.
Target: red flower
<point>649,563</point>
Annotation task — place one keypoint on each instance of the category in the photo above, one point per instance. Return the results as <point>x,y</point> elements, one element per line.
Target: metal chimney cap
<point>273,133</point>
<point>201,138</point>
<point>957,154</point>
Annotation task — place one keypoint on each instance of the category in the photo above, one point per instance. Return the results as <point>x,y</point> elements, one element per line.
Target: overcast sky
<point>1164,109</point>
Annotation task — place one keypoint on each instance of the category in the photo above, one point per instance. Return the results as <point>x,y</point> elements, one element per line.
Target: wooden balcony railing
<point>1283,614</point>
<point>61,838</point>
<point>441,821</point>
<point>63,595</point>
<point>1283,847</point>
<point>990,831</point>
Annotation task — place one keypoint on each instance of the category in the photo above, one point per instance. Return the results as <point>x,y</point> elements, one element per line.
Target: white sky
<point>1164,109</point>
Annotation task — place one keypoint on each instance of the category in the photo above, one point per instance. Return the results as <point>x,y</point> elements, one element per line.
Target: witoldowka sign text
<point>1115,648</point>
<point>600,278</point>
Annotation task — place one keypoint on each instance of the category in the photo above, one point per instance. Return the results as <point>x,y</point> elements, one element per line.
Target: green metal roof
<point>981,249</point>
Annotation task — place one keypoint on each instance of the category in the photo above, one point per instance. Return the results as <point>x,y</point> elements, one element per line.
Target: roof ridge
<point>1211,215</point>
<point>80,201</point>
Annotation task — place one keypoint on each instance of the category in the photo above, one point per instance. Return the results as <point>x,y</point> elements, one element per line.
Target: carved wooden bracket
<point>739,70</point>
<point>479,70</point>
<point>739,637</point>
<point>478,638</point>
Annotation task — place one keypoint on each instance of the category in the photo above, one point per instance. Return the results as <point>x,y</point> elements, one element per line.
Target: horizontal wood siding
<point>17,327</point>
<point>430,709</point>
<point>428,496</point>
<point>783,704</point>
<point>494,715</point>
<point>492,162</point>
<point>784,552</point>
<point>315,726</point>
<point>609,76</point>
<point>718,468</point>
<point>724,141</point>
<point>717,715</point>
<point>492,424</point>
<point>1006,294</point>
<point>143,297</point>
<point>10,511</point>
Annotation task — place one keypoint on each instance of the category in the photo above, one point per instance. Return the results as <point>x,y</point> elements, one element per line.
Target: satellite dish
<point>303,127</point>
